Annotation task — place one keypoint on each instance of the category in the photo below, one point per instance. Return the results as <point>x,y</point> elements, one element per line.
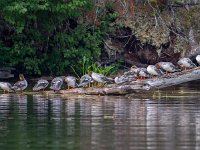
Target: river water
<point>100,122</point>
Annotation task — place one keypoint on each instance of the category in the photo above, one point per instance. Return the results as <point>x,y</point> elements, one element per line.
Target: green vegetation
<point>88,67</point>
<point>45,37</point>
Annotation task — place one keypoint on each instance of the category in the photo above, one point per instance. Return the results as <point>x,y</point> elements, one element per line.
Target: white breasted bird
<point>101,78</point>
<point>85,80</point>
<point>198,59</point>
<point>5,86</point>
<point>21,84</point>
<point>154,71</point>
<point>186,63</point>
<point>167,66</point>
<point>56,83</point>
<point>71,81</point>
<point>40,85</point>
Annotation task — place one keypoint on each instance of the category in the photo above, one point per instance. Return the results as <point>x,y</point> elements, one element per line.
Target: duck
<point>56,83</point>
<point>134,69</point>
<point>186,63</point>
<point>142,73</point>
<point>85,80</point>
<point>71,81</point>
<point>167,66</point>
<point>40,85</point>
<point>101,78</point>
<point>154,71</point>
<point>5,86</point>
<point>21,84</point>
<point>130,73</point>
<point>198,59</point>
<point>121,79</point>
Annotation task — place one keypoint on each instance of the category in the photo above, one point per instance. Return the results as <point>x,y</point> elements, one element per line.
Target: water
<point>99,123</point>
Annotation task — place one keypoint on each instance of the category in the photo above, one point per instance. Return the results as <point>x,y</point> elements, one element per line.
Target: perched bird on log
<point>198,59</point>
<point>167,66</point>
<point>21,84</point>
<point>186,63</point>
<point>40,85</point>
<point>152,70</point>
<point>142,73</point>
<point>71,81</point>
<point>121,79</point>
<point>5,86</point>
<point>57,83</point>
<point>101,78</point>
<point>85,80</point>
<point>134,69</point>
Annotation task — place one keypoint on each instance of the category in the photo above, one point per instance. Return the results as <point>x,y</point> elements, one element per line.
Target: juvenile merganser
<point>186,63</point>
<point>167,66</point>
<point>21,84</point>
<point>152,70</point>
<point>56,83</point>
<point>71,81</point>
<point>85,80</point>
<point>5,86</point>
<point>40,85</point>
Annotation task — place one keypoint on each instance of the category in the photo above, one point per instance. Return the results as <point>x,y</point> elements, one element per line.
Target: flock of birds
<point>133,74</point>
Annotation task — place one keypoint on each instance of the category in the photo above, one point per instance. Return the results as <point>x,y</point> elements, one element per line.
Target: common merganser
<point>20,85</point>
<point>5,86</point>
<point>121,79</point>
<point>198,59</point>
<point>101,78</point>
<point>186,63</point>
<point>130,73</point>
<point>152,70</point>
<point>134,69</point>
<point>85,80</point>
<point>40,85</point>
<point>56,83</point>
<point>71,81</point>
<point>142,73</point>
<point>167,66</point>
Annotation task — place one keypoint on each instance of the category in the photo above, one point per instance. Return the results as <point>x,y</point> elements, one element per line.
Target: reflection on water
<point>54,122</point>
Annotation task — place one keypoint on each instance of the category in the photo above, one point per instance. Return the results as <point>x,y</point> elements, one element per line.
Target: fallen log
<point>139,85</point>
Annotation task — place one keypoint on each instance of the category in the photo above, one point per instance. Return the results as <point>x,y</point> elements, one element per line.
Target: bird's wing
<point>20,84</point>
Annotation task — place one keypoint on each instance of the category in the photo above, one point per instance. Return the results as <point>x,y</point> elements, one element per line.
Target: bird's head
<point>21,76</point>
<point>134,67</point>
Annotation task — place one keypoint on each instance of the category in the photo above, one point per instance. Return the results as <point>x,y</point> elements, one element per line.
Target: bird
<point>142,73</point>
<point>154,71</point>
<point>121,79</point>
<point>198,59</point>
<point>134,69</point>
<point>40,85</point>
<point>21,84</point>
<point>57,83</point>
<point>85,80</point>
<point>167,66</point>
<point>186,63</point>
<point>131,73</point>
<point>71,81</point>
<point>100,78</point>
<point>5,86</point>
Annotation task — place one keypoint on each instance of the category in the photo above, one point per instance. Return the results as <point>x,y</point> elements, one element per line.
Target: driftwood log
<point>139,85</point>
